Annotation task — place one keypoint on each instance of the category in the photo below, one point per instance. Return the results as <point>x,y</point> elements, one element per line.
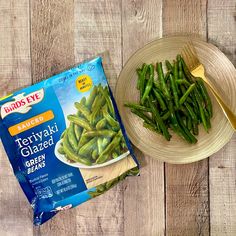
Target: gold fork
<point>197,70</point>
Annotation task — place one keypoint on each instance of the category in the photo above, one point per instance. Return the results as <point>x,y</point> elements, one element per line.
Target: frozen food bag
<point>65,139</point>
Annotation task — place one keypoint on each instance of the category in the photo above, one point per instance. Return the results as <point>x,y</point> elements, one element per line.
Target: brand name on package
<point>22,103</point>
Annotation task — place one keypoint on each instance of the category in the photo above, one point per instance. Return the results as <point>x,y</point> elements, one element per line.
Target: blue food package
<point>65,139</point>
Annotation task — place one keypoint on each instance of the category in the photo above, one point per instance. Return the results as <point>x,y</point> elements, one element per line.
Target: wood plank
<point>143,196</point>
<point>184,17</point>
<point>222,32</point>
<point>98,30</point>
<point>187,207</point>
<point>52,50</point>
<point>187,210</point>
<point>15,211</point>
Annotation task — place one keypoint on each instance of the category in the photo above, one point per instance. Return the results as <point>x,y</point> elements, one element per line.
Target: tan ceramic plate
<point>222,74</point>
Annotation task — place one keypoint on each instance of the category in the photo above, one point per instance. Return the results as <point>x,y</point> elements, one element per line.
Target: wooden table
<point>38,38</point>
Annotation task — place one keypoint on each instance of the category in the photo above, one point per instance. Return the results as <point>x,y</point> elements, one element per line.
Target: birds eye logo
<point>22,103</point>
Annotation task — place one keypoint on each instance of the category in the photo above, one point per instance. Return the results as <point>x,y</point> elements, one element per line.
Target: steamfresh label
<point>65,139</point>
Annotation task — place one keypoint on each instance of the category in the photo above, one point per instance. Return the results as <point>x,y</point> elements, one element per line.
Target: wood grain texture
<point>184,17</point>
<point>52,51</point>
<point>98,30</point>
<point>222,165</point>
<point>52,37</point>
<point>15,212</point>
<point>187,210</point>
<point>143,196</point>
<point>187,206</point>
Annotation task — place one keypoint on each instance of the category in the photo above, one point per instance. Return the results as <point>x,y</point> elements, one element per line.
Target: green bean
<point>123,145</point>
<point>94,154</point>
<point>108,150</point>
<point>176,74</point>
<point>62,135</point>
<point>159,121</point>
<point>101,124</point>
<point>117,150</point>
<point>112,122</point>
<point>169,66</point>
<point>195,128</point>
<point>114,155</point>
<point>189,123</point>
<point>61,150</point>
<point>72,155</point>
<point>71,137</point>
<point>133,171</point>
<point>142,80</point>
<point>175,125</point>
<point>187,132</point>
<point>139,72</point>
<point>99,133</point>
<point>96,101</point>
<point>101,188</point>
<point>88,147</point>
<point>167,76</point>
<point>83,110</point>
<point>205,96</point>
<point>172,114</point>
<point>143,116</point>
<point>159,99</point>
<point>184,97</point>
<point>194,102</point>
<point>162,80</point>
<point>182,81</point>
<point>191,112</point>
<point>105,142</point>
<point>156,85</point>
<point>83,100</point>
<point>91,97</point>
<point>183,110</point>
<point>96,109</point>
<point>94,194</point>
<point>200,106</point>
<point>180,133</point>
<point>111,183</point>
<point>166,115</point>
<point>99,145</point>
<point>151,127</point>
<point>174,90</point>
<point>77,131</point>
<point>180,68</point>
<point>82,140</point>
<point>79,121</point>
<point>108,101</point>
<point>184,119</point>
<point>137,107</point>
<point>208,122</point>
<point>149,84</point>
<point>186,71</point>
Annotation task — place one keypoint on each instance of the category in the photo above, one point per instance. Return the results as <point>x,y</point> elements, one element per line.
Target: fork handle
<point>227,111</point>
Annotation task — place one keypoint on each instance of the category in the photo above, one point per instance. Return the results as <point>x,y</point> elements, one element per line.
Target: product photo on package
<point>65,139</point>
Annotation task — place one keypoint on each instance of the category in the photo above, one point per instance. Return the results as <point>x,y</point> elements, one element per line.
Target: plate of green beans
<point>93,137</point>
<point>169,114</point>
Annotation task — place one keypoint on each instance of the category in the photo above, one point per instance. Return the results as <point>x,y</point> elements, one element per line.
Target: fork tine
<point>193,52</point>
<point>190,55</point>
